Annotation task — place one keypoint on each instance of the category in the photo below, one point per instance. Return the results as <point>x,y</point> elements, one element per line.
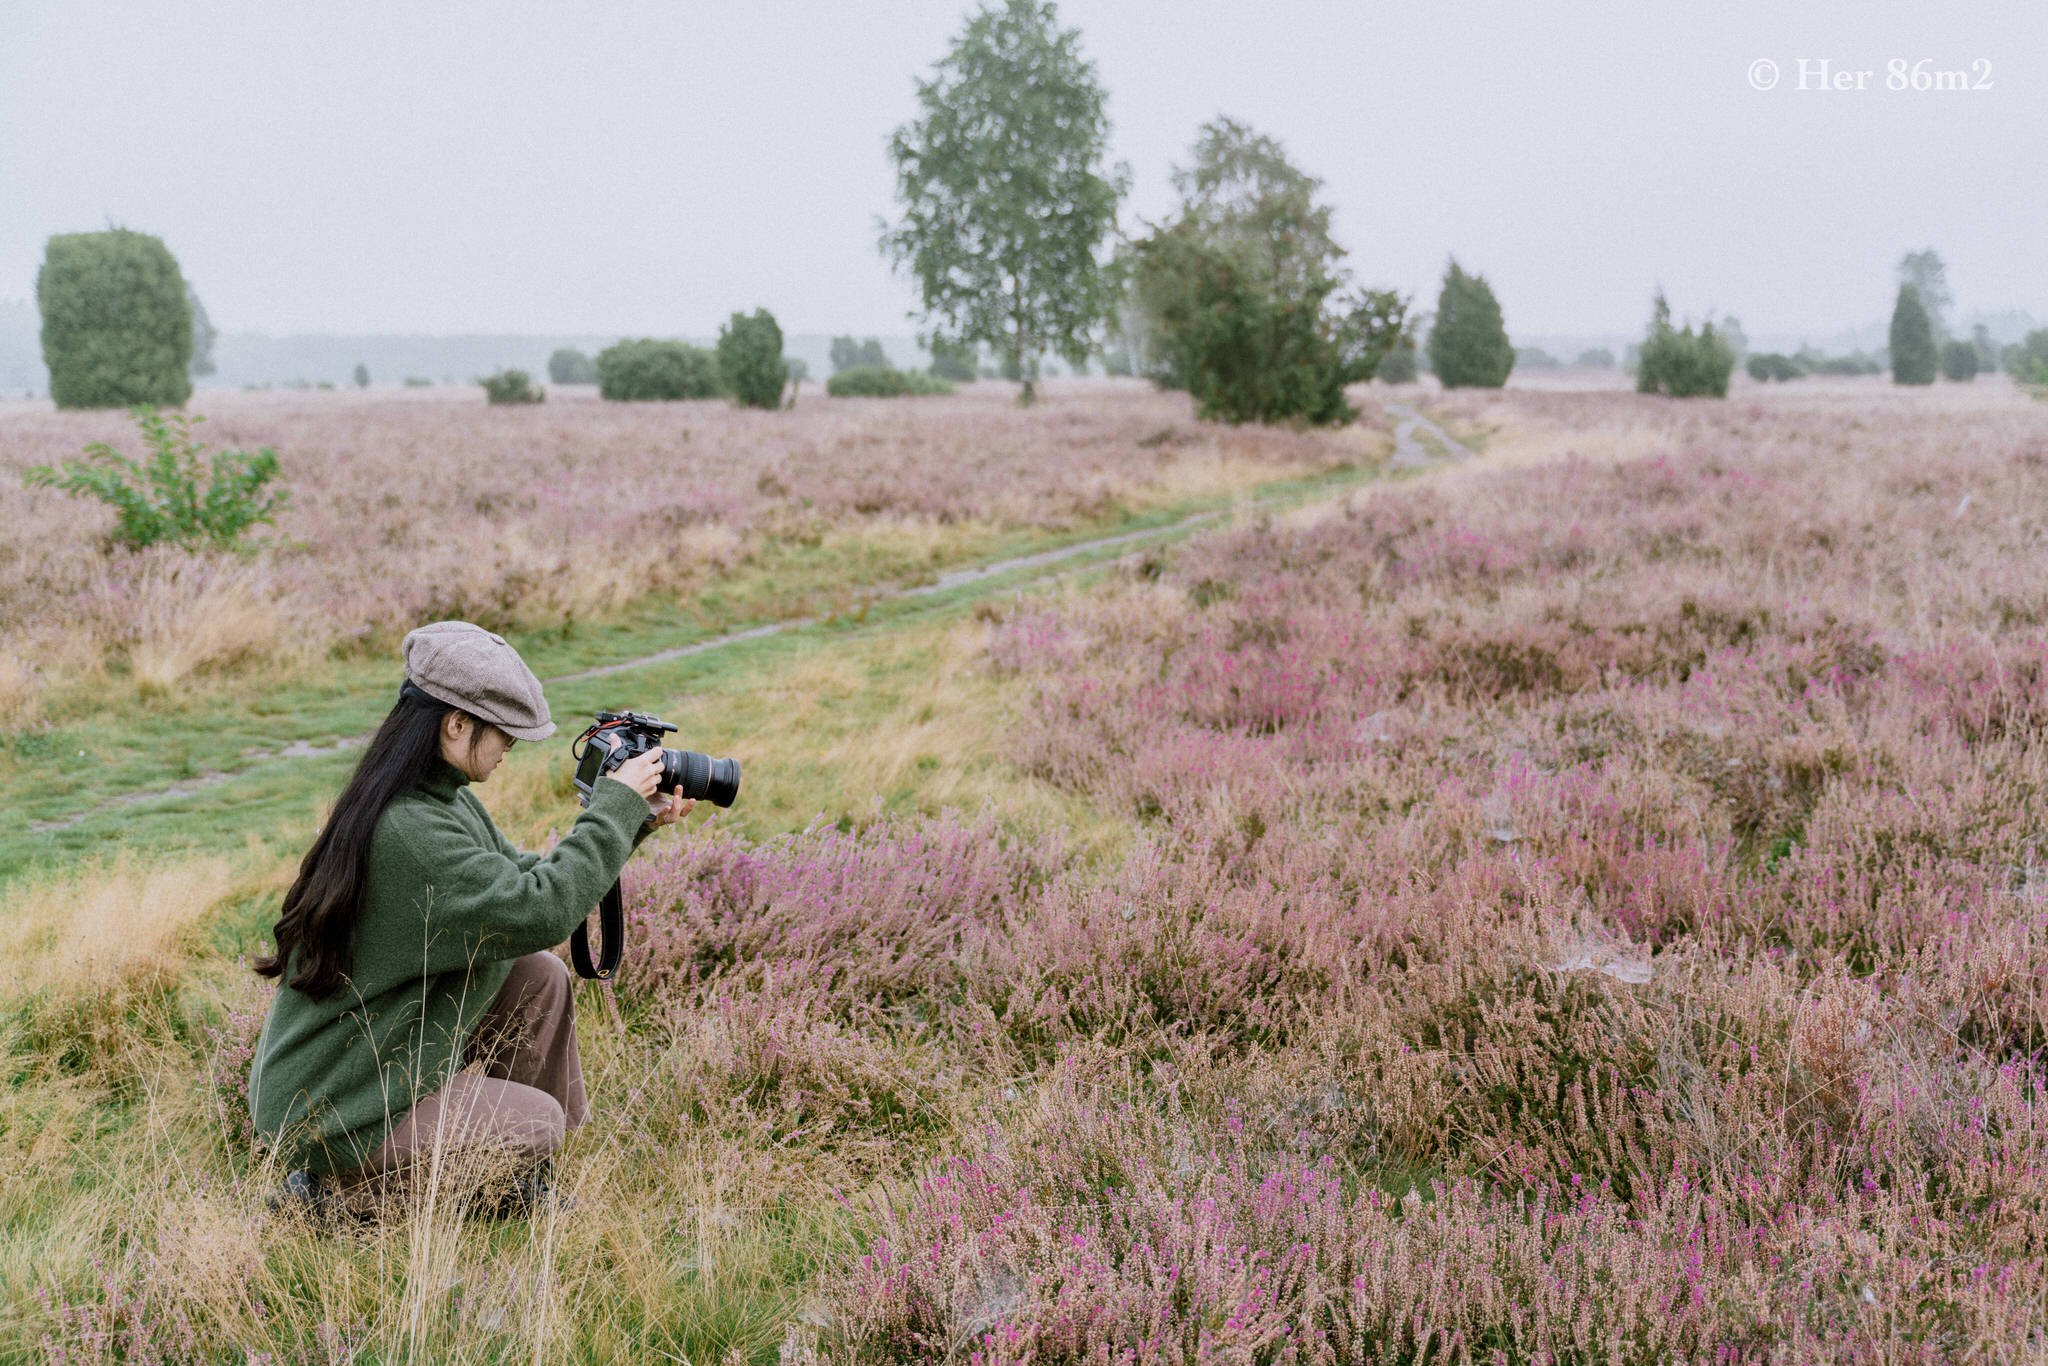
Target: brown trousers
<point>530,1091</point>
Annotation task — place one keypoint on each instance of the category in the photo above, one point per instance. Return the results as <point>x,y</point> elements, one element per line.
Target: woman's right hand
<point>642,773</point>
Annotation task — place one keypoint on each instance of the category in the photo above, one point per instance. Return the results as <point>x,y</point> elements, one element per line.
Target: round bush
<point>648,369</point>
<point>117,321</point>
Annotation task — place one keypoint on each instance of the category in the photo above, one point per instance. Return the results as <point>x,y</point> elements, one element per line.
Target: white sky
<point>650,167</point>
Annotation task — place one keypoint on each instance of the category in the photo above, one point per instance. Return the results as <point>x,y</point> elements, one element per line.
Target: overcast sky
<point>650,167</point>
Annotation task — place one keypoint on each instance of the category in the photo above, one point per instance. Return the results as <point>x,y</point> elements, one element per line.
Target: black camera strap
<point>611,917</point>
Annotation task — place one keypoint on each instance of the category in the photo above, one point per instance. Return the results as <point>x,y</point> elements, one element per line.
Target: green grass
<point>87,768</point>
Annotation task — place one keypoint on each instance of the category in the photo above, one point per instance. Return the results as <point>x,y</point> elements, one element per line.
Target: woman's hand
<point>642,773</point>
<point>672,808</point>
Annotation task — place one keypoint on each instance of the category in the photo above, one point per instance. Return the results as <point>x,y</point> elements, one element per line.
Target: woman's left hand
<point>674,810</point>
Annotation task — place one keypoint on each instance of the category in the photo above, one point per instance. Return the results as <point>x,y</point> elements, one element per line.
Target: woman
<point>413,941</point>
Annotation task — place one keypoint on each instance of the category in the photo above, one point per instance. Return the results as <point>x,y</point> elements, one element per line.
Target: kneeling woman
<point>413,941</point>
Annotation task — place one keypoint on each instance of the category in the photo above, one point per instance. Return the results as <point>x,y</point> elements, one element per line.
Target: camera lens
<point>700,776</point>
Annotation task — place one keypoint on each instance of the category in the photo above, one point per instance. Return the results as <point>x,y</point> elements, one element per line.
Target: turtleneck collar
<point>442,779</point>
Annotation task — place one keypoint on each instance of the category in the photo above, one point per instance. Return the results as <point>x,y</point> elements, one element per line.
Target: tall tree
<point>1914,357</point>
<point>1006,203</point>
<point>1924,271</point>
<point>1469,345</point>
<point>1240,289</point>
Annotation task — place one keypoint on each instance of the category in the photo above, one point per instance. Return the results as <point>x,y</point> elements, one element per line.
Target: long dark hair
<point>318,917</point>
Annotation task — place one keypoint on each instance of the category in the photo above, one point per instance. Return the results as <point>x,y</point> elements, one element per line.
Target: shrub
<point>1535,358</point>
<point>954,361</point>
<point>882,381</point>
<point>510,386</point>
<point>1914,359</point>
<point>1959,361</point>
<point>1399,366</point>
<point>1856,363</point>
<point>1596,358</point>
<point>1681,362</point>
<point>1468,347</point>
<point>2024,360</point>
<point>750,359</point>
<point>117,321</point>
<point>418,382</point>
<point>570,366</point>
<point>1770,365</point>
<point>174,496</point>
<point>647,369</point>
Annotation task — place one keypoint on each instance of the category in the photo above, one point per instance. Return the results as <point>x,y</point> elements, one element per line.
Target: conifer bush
<point>1914,357</point>
<point>117,321</point>
<point>1469,347</point>
<point>750,359</point>
<point>649,369</point>
<point>1959,361</point>
<point>1681,362</point>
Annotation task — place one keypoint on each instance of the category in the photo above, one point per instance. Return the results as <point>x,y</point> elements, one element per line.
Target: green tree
<point>1468,347</point>
<point>117,321</point>
<point>362,375</point>
<point>567,365</point>
<point>1958,361</point>
<point>1005,203</point>
<point>1681,362</point>
<point>1925,271</point>
<point>1398,366</point>
<point>871,354</point>
<point>845,354</point>
<point>1240,289</point>
<point>1914,359</point>
<point>953,361</point>
<point>750,359</point>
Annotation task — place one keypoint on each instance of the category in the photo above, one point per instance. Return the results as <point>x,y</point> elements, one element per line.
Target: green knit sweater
<point>447,905</point>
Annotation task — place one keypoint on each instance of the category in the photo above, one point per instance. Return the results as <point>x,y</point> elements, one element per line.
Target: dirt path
<point>1409,454</point>
<point>1412,454</point>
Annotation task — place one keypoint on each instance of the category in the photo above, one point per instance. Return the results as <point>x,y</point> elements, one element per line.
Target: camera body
<point>619,735</point>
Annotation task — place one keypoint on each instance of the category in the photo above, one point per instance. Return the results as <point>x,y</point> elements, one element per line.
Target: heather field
<point>541,520</point>
<point>1583,904</point>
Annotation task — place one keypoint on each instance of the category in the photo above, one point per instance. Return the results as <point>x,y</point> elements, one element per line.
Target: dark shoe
<point>532,1193</point>
<point>303,1192</point>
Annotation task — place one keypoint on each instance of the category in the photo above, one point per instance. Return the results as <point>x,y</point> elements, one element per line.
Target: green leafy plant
<point>177,494</point>
<point>510,386</point>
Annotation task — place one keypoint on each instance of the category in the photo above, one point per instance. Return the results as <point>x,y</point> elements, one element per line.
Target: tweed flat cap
<point>466,666</point>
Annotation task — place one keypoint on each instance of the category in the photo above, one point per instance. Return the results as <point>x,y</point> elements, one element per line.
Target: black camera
<point>619,735</point>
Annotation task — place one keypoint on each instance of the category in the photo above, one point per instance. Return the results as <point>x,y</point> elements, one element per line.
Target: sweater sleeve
<point>481,905</point>
<point>526,858</point>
